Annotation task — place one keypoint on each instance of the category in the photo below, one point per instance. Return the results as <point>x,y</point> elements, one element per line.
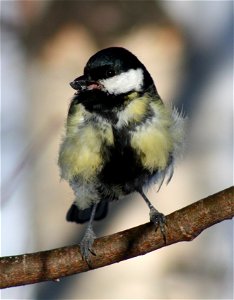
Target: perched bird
<point>119,138</point>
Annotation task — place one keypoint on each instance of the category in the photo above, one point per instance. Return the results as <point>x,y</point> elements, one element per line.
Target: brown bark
<point>182,225</point>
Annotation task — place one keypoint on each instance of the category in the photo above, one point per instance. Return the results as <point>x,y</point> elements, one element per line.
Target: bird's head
<point>115,71</point>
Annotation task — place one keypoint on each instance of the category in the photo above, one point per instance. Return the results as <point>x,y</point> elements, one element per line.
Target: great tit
<point>119,138</point>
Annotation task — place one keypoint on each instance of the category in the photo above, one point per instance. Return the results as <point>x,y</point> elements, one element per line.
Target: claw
<point>159,220</point>
<point>87,243</point>
<point>156,217</point>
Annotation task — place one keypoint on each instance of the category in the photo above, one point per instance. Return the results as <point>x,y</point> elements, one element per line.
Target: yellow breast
<point>153,141</point>
<point>81,151</point>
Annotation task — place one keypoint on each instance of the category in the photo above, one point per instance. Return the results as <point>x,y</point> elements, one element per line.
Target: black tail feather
<point>79,216</point>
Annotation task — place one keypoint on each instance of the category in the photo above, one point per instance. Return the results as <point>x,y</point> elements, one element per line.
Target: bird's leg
<point>155,216</point>
<point>89,237</point>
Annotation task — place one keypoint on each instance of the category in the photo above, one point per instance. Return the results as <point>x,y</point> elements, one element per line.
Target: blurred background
<point>188,48</point>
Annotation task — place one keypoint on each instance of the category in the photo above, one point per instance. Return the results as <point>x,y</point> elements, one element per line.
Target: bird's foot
<point>87,243</point>
<point>159,220</point>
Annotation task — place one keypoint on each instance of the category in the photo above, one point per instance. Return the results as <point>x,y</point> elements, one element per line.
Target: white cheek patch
<point>131,80</point>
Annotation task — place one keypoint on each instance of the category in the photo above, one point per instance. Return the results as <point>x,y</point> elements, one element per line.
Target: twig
<point>182,225</point>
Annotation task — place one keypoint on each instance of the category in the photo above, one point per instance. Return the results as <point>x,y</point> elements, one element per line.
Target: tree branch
<point>182,225</point>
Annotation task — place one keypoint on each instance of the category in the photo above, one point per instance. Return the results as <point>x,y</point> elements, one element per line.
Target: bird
<point>119,139</point>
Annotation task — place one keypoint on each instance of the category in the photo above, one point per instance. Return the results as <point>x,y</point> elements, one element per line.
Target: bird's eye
<point>110,73</point>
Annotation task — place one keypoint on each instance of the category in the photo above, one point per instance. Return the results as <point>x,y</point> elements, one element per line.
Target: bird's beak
<point>81,83</point>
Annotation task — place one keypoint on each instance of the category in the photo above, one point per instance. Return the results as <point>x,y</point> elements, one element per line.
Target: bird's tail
<point>79,216</point>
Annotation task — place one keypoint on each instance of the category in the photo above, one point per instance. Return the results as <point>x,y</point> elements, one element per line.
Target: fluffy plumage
<point>119,136</point>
